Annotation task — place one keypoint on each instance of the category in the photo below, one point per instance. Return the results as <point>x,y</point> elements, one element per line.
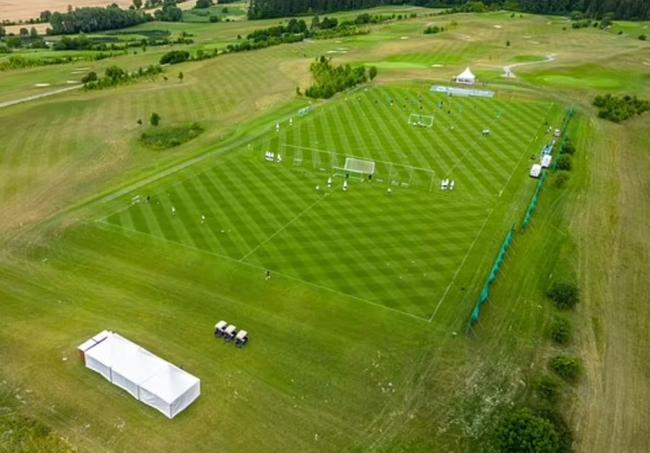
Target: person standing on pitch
<point>173,211</point>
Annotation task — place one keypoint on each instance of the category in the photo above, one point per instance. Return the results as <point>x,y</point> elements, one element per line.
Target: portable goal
<point>415,119</point>
<point>356,168</point>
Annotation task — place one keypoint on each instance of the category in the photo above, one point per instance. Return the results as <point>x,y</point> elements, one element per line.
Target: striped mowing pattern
<point>398,249</point>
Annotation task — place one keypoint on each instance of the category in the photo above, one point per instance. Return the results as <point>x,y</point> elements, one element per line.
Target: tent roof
<point>142,367</point>
<point>466,74</point>
<point>169,383</point>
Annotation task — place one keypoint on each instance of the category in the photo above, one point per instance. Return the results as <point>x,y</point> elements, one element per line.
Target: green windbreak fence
<point>533,203</point>
<point>494,272</point>
<point>540,184</point>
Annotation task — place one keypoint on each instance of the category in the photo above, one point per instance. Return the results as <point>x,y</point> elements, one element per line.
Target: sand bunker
<point>41,85</point>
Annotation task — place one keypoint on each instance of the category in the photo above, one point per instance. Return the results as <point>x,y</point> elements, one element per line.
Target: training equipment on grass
<point>355,168</point>
<point>546,160</point>
<point>535,171</point>
<point>453,91</point>
<point>148,378</point>
<point>486,132</point>
<point>417,120</point>
<point>304,111</point>
<point>269,156</point>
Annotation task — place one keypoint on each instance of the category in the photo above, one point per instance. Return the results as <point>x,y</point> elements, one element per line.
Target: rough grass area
<point>165,137</point>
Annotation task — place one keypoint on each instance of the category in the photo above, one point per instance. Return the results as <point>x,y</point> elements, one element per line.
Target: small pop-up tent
<point>146,377</point>
<point>466,77</point>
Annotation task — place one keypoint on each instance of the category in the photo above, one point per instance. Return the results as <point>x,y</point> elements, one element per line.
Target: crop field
<point>359,338</point>
<point>401,249</point>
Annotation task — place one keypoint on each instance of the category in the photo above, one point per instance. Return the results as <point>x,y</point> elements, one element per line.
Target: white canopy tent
<point>145,376</point>
<point>466,77</point>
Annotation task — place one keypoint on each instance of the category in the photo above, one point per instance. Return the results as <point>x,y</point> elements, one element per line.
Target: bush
<point>619,109</point>
<point>202,4</point>
<point>523,431</point>
<point>567,367</point>
<point>565,295</point>
<point>643,37</point>
<point>171,136</point>
<point>561,178</point>
<point>175,56</point>
<point>548,389</point>
<point>568,148</point>
<point>432,30</point>
<point>90,77</point>
<point>564,162</point>
<point>213,19</point>
<point>560,330</point>
<point>155,119</point>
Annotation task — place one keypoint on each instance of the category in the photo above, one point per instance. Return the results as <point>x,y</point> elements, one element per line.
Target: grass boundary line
<point>261,268</point>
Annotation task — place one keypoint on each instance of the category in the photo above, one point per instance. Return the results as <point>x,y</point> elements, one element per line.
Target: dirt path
<point>507,70</point>
<point>38,96</point>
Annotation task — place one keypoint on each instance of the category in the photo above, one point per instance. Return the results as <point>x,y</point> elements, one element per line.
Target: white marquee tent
<point>466,77</point>
<point>145,376</point>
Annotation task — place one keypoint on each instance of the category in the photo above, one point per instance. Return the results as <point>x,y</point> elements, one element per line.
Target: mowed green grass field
<point>402,250</point>
<point>344,354</point>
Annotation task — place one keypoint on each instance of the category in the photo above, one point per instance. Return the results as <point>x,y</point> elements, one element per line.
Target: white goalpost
<point>356,168</point>
<point>415,119</point>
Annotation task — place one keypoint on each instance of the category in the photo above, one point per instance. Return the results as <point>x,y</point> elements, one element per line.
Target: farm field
<point>360,338</point>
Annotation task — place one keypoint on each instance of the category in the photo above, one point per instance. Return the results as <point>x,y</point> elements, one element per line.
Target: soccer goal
<point>415,119</point>
<point>356,168</point>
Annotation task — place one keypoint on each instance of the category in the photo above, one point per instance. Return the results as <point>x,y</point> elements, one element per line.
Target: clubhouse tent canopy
<point>466,77</point>
<point>147,377</point>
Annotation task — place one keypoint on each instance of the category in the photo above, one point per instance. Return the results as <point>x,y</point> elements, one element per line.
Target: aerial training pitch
<point>395,240</point>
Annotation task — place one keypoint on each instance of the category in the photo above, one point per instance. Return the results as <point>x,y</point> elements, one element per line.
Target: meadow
<point>359,340</point>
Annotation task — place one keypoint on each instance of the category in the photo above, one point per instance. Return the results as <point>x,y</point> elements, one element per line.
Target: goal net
<point>418,120</point>
<point>358,169</point>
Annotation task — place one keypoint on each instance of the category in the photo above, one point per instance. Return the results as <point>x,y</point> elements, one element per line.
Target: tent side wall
<point>124,383</point>
<point>186,399</point>
<point>98,366</point>
<point>154,401</point>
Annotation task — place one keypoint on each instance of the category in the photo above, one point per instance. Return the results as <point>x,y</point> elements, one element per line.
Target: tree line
<point>620,9</point>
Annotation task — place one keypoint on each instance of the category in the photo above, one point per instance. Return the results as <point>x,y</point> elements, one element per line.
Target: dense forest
<point>88,20</point>
<point>621,9</point>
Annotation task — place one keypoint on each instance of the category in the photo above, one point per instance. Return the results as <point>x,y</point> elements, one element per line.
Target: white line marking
<point>261,268</point>
<point>462,264</point>
<point>284,227</point>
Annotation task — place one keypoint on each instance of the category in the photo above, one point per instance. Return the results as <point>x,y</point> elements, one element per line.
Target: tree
<point>560,330</point>
<point>522,431</point>
<point>115,73</point>
<point>137,4</point>
<point>155,119</point>
<point>548,388</point>
<point>33,33</point>
<point>23,31</point>
<point>180,76</point>
<point>214,19</point>
<point>565,295</point>
<point>643,37</point>
<point>175,57</point>
<point>372,72</point>
<point>567,367</point>
<point>90,77</point>
<point>45,15</point>
<point>564,162</point>
<point>3,32</point>
<point>202,4</point>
